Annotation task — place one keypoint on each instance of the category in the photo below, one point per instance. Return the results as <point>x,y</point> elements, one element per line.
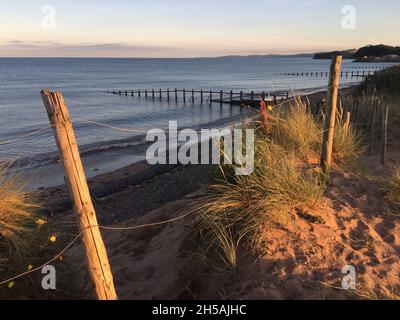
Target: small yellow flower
<point>11,284</point>
<point>30,267</point>
<point>270,108</point>
<point>40,222</point>
<point>53,238</point>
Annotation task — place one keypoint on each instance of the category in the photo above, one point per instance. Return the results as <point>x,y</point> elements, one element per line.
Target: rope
<point>25,135</point>
<point>70,244</point>
<point>45,264</point>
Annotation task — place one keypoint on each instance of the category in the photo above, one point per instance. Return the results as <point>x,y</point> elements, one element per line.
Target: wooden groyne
<point>351,72</point>
<point>205,96</point>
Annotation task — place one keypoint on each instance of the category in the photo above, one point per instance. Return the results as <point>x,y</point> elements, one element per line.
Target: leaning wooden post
<point>96,254</point>
<point>329,125</point>
<point>385,120</point>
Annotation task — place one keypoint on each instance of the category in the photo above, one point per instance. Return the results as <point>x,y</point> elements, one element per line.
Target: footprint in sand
<point>385,231</point>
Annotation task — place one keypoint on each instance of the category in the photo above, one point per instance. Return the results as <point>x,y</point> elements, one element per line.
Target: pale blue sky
<point>188,28</point>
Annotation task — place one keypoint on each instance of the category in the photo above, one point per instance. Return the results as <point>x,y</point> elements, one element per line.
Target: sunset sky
<point>186,28</point>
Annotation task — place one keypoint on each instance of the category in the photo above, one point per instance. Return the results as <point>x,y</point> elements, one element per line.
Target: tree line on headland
<point>370,53</point>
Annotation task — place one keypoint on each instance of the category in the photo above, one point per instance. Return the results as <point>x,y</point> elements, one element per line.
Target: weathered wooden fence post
<point>329,124</point>
<point>96,254</point>
<point>347,120</point>
<point>201,96</point>
<point>385,119</point>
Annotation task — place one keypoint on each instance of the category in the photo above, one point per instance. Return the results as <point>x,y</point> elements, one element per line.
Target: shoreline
<point>110,160</point>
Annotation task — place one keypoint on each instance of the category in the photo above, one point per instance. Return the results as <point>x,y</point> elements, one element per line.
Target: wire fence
<point>10,143</point>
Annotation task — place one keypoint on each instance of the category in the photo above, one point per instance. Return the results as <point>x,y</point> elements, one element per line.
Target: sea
<point>84,83</point>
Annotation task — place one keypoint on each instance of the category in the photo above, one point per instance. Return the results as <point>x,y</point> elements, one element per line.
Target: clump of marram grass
<point>240,207</point>
<point>295,129</point>
<point>393,189</point>
<point>17,221</point>
<point>283,182</point>
<point>348,145</point>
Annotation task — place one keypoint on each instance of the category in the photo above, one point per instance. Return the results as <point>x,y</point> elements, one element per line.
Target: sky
<point>192,28</point>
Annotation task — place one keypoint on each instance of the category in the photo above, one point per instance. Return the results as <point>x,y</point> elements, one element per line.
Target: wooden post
<point>192,95</point>
<point>176,95</point>
<point>184,95</point>
<point>96,254</point>
<point>145,93</point>
<point>347,120</point>
<point>139,93</point>
<point>201,96</point>
<point>152,93</point>
<point>211,97</point>
<point>385,120</point>
<point>168,94</point>
<point>329,125</point>
<point>160,94</point>
<point>252,97</point>
<point>221,97</point>
<point>231,97</point>
<point>241,97</point>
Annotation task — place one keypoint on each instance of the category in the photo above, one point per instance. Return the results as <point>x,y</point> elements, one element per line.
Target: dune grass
<point>17,221</point>
<point>348,145</point>
<point>385,83</point>
<point>286,181</point>
<point>393,189</point>
<point>239,208</point>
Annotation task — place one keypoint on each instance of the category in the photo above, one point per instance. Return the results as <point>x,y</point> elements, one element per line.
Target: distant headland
<point>370,53</point>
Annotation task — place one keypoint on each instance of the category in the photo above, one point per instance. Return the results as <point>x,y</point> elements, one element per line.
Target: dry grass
<point>295,129</point>
<point>348,145</point>
<point>393,189</point>
<point>239,208</point>
<point>17,221</point>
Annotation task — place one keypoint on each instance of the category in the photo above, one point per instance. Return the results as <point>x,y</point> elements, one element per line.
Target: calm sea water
<point>83,83</point>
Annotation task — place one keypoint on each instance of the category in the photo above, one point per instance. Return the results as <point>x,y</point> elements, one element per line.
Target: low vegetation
<point>286,182</point>
<point>17,221</point>
<point>393,189</point>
